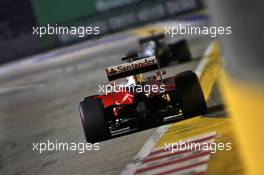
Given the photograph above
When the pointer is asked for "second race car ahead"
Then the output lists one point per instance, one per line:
(155, 45)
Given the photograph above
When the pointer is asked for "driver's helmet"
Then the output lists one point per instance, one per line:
(130, 81)
(149, 49)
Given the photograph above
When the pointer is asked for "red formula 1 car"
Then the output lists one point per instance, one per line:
(140, 103)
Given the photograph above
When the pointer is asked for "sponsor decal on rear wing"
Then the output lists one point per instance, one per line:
(133, 68)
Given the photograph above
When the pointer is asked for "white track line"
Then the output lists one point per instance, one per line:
(200, 68)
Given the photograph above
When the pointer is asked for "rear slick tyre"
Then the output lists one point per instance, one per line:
(181, 51)
(93, 120)
(190, 94)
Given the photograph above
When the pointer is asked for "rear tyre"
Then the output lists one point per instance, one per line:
(190, 94)
(94, 122)
(180, 51)
(163, 58)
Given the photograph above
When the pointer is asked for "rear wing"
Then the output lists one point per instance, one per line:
(132, 68)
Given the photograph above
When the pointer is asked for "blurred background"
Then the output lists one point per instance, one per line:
(18, 18)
